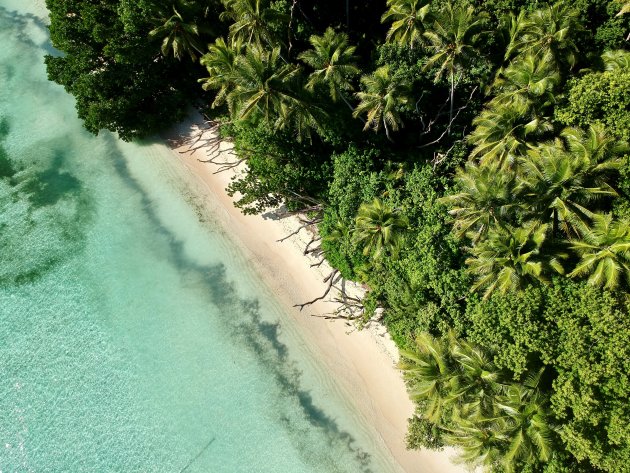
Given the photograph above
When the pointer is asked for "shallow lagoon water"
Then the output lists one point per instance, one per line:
(134, 336)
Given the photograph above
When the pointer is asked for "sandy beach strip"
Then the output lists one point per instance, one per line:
(363, 362)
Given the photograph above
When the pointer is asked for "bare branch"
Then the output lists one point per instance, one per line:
(318, 264)
(332, 278)
(308, 249)
(295, 232)
(448, 128)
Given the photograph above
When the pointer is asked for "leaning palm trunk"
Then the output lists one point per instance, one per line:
(450, 116)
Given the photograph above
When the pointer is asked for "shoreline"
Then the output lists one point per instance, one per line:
(362, 362)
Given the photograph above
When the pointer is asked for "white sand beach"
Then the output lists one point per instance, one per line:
(362, 361)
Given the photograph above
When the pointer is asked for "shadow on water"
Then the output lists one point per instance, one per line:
(48, 187)
(260, 336)
(7, 169)
(52, 187)
(44, 212)
(20, 22)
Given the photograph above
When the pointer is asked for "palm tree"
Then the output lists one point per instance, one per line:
(529, 432)
(266, 90)
(502, 133)
(334, 62)
(452, 38)
(379, 228)
(479, 382)
(262, 85)
(408, 19)
(485, 199)
(604, 252)
(624, 9)
(529, 81)
(616, 60)
(430, 374)
(220, 61)
(479, 442)
(251, 20)
(178, 36)
(509, 258)
(546, 31)
(596, 148)
(383, 94)
(560, 184)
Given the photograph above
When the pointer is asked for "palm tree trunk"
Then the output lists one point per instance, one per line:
(345, 100)
(387, 131)
(450, 117)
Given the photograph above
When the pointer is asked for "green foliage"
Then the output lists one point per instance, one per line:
(510, 258)
(354, 181)
(425, 286)
(278, 171)
(178, 36)
(494, 422)
(601, 17)
(604, 253)
(584, 333)
(551, 30)
(340, 248)
(599, 97)
(484, 198)
(117, 80)
(424, 434)
(254, 22)
(266, 91)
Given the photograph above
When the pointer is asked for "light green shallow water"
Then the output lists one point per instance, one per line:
(133, 336)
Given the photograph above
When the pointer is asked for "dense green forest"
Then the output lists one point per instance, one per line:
(466, 161)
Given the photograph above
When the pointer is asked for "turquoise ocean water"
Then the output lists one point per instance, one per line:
(133, 335)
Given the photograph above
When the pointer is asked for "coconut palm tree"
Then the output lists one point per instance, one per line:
(485, 199)
(430, 374)
(509, 258)
(408, 18)
(561, 181)
(251, 20)
(479, 442)
(220, 61)
(529, 432)
(262, 85)
(550, 30)
(597, 149)
(479, 382)
(530, 80)
(502, 133)
(383, 94)
(604, 251)
(334, 64)
(452, 37)
(265, 89)
(379, 228)
(178, 37)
